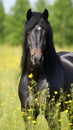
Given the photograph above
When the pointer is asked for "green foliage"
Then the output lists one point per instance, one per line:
(60, 17)
(40, 4)
(63, 21)
(1, 22)
(15, 22)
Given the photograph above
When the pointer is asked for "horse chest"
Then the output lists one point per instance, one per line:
(54, 83)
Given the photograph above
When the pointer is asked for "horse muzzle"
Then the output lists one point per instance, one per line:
(36, 56)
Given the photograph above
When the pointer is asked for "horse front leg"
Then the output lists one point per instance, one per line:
(28, 108)
(24, 97)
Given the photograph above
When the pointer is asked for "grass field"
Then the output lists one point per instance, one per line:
(10, 113)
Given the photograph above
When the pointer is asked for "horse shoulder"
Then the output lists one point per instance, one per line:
(57, 79)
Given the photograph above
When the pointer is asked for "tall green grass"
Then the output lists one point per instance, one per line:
(10, 113)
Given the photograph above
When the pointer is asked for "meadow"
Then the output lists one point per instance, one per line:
(10, 112)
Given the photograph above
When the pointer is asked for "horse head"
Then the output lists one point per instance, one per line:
(38, 39)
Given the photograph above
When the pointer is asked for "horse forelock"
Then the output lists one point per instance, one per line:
(37, 19)
(32, 22)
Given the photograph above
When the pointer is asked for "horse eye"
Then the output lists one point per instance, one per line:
(28, 33)
(43, 32)
(29, 44)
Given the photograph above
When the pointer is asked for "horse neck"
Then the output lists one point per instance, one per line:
(50, 59)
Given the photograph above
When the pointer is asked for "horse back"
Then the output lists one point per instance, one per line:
(67, 65)
(67, 56)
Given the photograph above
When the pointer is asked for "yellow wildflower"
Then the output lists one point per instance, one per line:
(23, 113)
(59, 120)
(53, 99)
(30, 110)
(38, 92)
(36, 99)
(7, 125)
(29, 117)
(66, 111)
(30, 76)
(18, 108)
(66, 102)
(70, 124)
(55, 92)
(2, 104)
(29, 87)
(33, 122)
(58, 104)
(70, 101)
(68, 95)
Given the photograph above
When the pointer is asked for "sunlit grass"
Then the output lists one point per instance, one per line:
(10, 113)
(10, 116)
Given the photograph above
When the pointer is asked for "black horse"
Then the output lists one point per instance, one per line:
(40, 58)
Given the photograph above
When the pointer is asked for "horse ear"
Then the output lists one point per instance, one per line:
(45, 14)
(29, 14)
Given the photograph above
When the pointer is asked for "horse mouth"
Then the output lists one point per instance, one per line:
(37, 62)
(37, 59)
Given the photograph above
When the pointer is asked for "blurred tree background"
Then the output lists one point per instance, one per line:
(60, 17)
(2, 19)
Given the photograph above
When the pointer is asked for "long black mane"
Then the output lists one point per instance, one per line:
(49, 54)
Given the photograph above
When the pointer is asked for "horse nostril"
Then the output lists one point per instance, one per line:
(32, 56)
(35, 59)
(41, 59)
